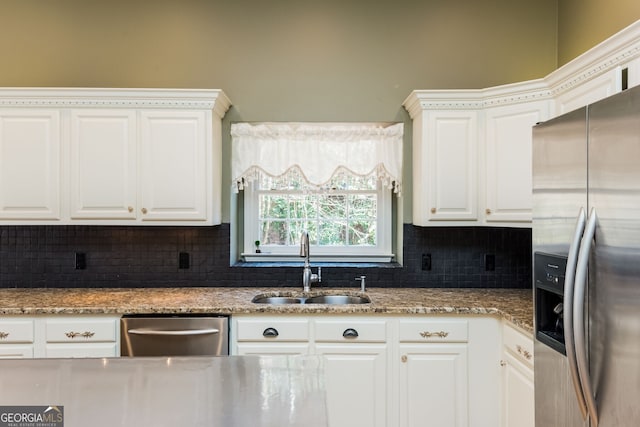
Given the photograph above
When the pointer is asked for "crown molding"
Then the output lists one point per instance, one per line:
(616, 51)
(210, 99)
(613, 52)
(476, 99)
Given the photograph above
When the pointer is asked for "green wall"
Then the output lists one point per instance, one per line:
(582, 24)
(281, 60)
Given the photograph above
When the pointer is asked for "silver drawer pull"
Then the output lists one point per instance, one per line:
(270, 333)
(4, 335)
(179, 332)
(350, 333)
(85, 334)
(523, 352)
(427, 334)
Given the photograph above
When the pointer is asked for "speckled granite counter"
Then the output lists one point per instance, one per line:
(514, 305)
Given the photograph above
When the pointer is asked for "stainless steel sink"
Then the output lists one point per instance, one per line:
(276, 300)
(338, 299)
(318, 299)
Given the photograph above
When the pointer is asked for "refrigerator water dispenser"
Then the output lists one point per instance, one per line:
(549, 273)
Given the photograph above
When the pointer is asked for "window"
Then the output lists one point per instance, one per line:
(327, 180)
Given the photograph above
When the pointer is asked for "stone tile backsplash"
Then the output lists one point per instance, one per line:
(114, 256)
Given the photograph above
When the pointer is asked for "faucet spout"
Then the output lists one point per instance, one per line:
(307, 276)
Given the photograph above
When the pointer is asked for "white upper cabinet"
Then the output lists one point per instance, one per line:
(508, 161)
(472, 154)
(450, 160)
(175, 175)
(111, 156)
(30, 164)
(472, 148)
(103, 164)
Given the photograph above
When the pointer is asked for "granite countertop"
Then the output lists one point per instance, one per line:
(514, 305)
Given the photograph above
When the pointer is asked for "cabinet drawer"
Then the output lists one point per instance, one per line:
(272, 330)
(519, 344)
(351, 330)
(81, 350)
(432, 330)
(16, 331)
(81, 330)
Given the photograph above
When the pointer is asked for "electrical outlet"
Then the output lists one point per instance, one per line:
(489, 262)
(183, 260)
(426, 262)
(81, 261)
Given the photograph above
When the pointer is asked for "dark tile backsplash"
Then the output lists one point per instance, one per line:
(45, 256)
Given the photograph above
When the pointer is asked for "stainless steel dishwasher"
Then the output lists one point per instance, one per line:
(171, 335)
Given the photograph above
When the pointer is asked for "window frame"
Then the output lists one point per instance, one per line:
(381, 253)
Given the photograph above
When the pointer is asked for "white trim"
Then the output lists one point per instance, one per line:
(379, 253)
(342, 258)
(210, 99)
(616, 51)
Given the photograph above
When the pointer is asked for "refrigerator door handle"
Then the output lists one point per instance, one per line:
(569, 285)
(578, 317)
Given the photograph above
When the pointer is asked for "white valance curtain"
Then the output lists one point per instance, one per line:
(317, 152)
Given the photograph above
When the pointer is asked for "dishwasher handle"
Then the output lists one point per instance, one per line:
(179, 332)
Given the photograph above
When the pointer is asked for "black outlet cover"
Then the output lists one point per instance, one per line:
(183, 260)
(426, 262)
(490, 262)
(81, 261)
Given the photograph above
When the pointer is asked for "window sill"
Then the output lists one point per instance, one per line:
(299, 264)
(338, 259)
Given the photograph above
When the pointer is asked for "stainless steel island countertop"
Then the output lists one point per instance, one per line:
(236, 391)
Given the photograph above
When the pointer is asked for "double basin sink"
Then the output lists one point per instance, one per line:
(332, 299)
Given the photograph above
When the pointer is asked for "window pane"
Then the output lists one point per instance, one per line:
(332, 205)
(362, 233)
(273, 232)
(273, 206)
(363, 206)
(296, 229)
(302, 207)
(333, 233)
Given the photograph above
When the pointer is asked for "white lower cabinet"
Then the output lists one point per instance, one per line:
(81, 336)
(433, 376)
(406, 371)
(16, 338)
(269, 335)
(518, 408)
(356, 358)
(59, 336)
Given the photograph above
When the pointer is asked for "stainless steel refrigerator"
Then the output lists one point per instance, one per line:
(586, 250)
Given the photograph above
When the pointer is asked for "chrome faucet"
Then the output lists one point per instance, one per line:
(307, 276)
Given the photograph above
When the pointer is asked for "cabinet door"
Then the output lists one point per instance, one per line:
(29, 164)
(103, 164)
(508, 160)
(356, 382)
(433, 385)
(446, 171)
(518, 395)
(518, 392)
(175, 182)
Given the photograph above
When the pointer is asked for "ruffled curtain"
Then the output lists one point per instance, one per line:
(317, 152)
